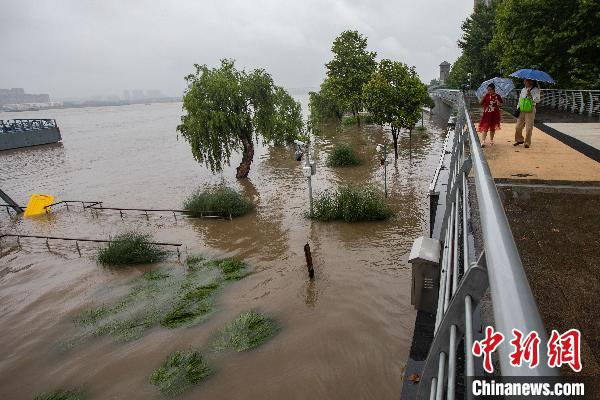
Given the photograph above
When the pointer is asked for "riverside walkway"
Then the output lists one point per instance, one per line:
(548, 159)
(524, 221)
(551, 197)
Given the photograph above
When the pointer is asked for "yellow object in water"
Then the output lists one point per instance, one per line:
(36, 204)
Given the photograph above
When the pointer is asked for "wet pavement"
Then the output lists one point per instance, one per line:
(344, 335)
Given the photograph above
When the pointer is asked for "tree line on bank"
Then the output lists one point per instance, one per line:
(390, 91)
(561, 37)
(227, 110)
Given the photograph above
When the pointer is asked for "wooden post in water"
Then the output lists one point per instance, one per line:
(309, 263)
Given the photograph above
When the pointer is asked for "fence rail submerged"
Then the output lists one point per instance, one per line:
(464, 280)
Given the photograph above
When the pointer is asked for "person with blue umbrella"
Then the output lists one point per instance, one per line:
(528, 99)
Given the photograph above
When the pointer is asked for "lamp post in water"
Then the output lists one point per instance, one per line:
(309, 168)
(382, 149)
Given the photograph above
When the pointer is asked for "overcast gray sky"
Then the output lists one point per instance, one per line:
(79, 48)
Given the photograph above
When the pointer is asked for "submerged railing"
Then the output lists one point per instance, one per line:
(464, 279)
(22, 125)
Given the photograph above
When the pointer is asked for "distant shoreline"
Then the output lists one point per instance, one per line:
(87, 103)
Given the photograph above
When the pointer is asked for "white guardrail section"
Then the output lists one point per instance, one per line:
(464, 281)
(584, 102)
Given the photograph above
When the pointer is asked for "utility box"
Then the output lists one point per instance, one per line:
(425, 260)
(307, 171)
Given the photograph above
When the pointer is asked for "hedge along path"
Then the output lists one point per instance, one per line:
(161, 297)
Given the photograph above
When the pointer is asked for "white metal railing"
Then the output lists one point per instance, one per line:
(584, 102)
(463, 280)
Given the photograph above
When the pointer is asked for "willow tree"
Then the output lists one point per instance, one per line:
(228, 110)
(394, 95)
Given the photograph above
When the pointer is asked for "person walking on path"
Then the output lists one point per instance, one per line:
(490, 119)
(529, 97)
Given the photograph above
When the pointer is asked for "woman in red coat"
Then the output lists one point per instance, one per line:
(490, 120)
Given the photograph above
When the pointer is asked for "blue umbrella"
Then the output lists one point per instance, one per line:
(503, 87)
(533, 74)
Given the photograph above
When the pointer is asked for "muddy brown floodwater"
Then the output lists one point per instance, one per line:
(346, 335)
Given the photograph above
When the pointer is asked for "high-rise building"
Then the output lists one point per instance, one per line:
(18, 96)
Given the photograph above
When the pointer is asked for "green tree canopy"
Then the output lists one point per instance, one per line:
(557, 36)
(395, 95)
(228, 109)
(350, 69)
(323, 106)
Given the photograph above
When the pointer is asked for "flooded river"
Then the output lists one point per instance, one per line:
(345, 335)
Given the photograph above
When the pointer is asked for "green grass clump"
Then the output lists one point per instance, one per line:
(162, 297)
(232, 270)
(351, 204)
(60, 395)
(191, 307)
(130, 248)
(343, 155)
(220, 199)
(180, 371)
(248, 331)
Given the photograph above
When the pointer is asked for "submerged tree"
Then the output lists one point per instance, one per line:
(228, 109)
(323, 105)
(395, 95)
(350, 69)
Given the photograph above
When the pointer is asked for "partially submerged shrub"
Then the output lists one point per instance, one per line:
(248, 331)
(351, 204)
(60, 395)
(343, 155)
(219, 199)
(180, 371)
(130, 248)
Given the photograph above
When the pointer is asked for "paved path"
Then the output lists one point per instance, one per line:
(547, 159)
(586, 132)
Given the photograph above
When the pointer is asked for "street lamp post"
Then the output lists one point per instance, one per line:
(309, 169)
(383, 149)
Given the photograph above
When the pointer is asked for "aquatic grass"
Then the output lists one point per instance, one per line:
(60, 394)
(232, 270)
(248, 331)
(130, 248)
(343, 155)
(191, 307)
(350, 204)
(180, 371)
(220, 199)
(162, 297)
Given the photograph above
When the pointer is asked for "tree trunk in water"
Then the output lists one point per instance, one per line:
(248, 154)
(357, 115)
(395, 137)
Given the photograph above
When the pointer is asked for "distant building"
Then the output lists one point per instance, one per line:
(154, 94)
(126, 95)
(18, 96)
(444, 71)
(137, 95)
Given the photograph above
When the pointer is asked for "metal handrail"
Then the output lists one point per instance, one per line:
(26, 124)
(577, 101)
(464, 280)
(512, 300)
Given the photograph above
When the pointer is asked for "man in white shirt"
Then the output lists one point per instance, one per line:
(532, 93)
